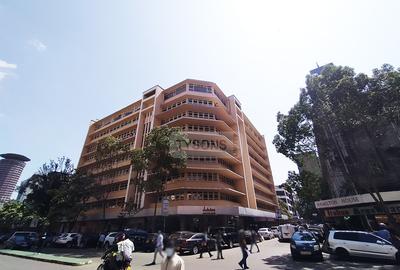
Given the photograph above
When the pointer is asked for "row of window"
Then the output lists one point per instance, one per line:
(113, 174)
(126, 135)
(177, 91)
(200, 102)
(198, 195)
(122, 115)
(173, 106)
(200, 128)
(116, 186)
(204, 115)
(200, 88)
(202, 176)
(113, 203)
(190, 101)
(107, 131)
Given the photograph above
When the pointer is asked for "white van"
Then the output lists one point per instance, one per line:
(286, 231)
(360, 244)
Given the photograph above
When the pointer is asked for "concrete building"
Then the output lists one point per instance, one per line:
(289, 199)
(228, 174)
(11, 167)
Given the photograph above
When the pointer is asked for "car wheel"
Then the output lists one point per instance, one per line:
(69, 244)
(342, 253)
(106, 245)
(398, 258)
(195, 250)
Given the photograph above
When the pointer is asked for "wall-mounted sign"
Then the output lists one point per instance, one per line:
(208, 211)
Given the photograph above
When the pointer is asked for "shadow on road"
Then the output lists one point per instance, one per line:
(286, 262)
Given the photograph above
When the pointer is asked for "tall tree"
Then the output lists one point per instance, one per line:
(162, 157)
(45, 185)
(351, 115)
(108, 153)
(14, 214)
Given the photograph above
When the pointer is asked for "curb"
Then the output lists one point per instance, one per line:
(50, 260)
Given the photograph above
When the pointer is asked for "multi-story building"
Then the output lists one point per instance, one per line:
(289, 199)
(228, 174)
(11, 167)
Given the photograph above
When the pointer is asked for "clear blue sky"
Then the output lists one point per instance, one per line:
(63, 63)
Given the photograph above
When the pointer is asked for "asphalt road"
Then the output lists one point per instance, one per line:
(273, 255)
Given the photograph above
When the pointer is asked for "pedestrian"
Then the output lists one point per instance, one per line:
(383, 232)
(100, 242)
(253, 237)
(245, 251)
(172, 260)
(41, 241)
(204, 246)
(220, 243)
(159, 247)
(78, 240)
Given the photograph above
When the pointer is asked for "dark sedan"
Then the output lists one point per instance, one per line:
(192, 242)
(305, 244)
(18, 242)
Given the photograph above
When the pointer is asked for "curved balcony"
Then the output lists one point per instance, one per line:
(219, 124)
(212, 167)
(215, 152)
(202, 185)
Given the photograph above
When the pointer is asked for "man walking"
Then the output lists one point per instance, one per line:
(100, 242)
(243, 247)
(159, 247)
(220, 243)
(254, 241)
(204, 246)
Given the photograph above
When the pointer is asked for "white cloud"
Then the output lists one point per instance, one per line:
(38, 45)
(5, 65)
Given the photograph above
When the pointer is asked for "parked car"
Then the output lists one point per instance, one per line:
(109, 240)
(275, 231)
(229, 235)
(138, 237)
(31, 238)
(67, 239)
(22, 240)
(192, 243)
(4, 237)
(266, 233)
(305, 244)
(360, 244)
(286, 232)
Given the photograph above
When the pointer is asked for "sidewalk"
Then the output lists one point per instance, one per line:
(45, 257)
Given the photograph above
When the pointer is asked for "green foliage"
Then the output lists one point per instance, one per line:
(295, 131)
(162, 156)
(307, 186)
(15, 214)
(58, 192)
(108, 152)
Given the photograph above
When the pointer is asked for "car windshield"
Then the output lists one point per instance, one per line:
(21, 234)
(20, 238)
(303, 237)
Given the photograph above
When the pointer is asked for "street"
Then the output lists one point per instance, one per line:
(273, 255)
